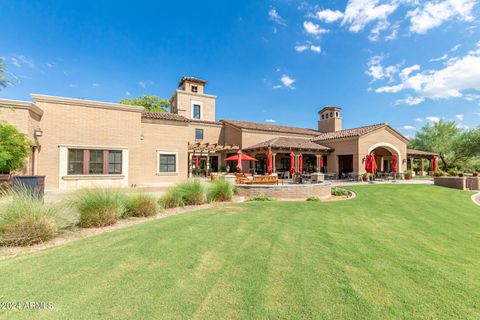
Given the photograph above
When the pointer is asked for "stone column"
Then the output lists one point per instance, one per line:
(317, 156)
(189, 164)
(207, 165)
(274, 167)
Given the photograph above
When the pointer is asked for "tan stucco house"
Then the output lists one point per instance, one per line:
(78, 143)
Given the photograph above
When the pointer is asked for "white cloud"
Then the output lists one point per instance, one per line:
(328, 15)
(21, 61)
(275, 17)
(462, 126)
(314, 29)
(394, 33)
(409, 128)
(407, 71)
(411, 101)
(444, 57)
(458, 75)
(142, 84)
(270, 120)
(471, 97)
(376, 31)
(418, 119)
(50, 65)
(433, 119)
(71, 85)
(127, 93)
(459, 117)
(359, 13)
(95, 85)
(379, 72)
(286, 82)
(455, 48)
(434, 13)
(311, 47)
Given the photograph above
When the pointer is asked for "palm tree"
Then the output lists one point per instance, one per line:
(4, 81)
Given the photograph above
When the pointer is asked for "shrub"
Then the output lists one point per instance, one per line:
(173, 198)
(336, 191)
(193, 192)
(141, 205)
(25, 220)
(261, 197)
(14, 148)
(475, 174)
(453, 172)
(439, 173)
(99, 207)
(220, 190)
(313, 198)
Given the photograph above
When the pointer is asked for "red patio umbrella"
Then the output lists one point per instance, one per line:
(300, 163)
(239, 158)
(269, 161)
(196, 162)
(374, 163)
(394, 163)
(368, 163)
(321, 163)
(434, 163)
(292, 163)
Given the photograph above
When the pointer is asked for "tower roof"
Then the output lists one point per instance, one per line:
(330, 108)
(191, 79)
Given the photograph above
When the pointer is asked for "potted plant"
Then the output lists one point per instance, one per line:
(475, 174)
(452, 173)
(408, 174)
(365, 177)
(460, 174)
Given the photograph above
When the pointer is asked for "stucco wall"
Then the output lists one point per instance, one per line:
(185, 101)
(451, 182)
(304, 191)
(17, 117)
(212, 133)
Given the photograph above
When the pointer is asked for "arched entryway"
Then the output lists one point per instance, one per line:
(384, 153)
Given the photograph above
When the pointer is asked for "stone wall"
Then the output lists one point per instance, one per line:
(451, 182)
(473, 183)
(290, 191)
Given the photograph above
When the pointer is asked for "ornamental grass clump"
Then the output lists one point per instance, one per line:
(99, 207)
(220, 190)
(193, 192)
(141, 205)
(173, 198)
(26, 220)
(339, 192)
(261, 197)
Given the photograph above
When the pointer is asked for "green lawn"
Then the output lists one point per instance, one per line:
(395, 251)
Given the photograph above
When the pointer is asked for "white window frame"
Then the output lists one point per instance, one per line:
(192, 109)
(159, 152)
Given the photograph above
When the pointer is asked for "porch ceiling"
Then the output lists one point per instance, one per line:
(211, 147)
(412, 153)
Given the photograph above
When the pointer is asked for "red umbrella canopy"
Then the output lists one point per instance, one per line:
(321, 162)
(292, 163)
(368, 163)
(196, 162)
(300, 163)
(374, 162)
(434, 163)
(269, 162)
(242, 156)
(394, 163)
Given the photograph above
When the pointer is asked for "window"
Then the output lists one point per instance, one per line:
(83, 161)
(323, 116)
(75, 161)
(326, 116)
(115, 162)
(194, 89)
(96, 162)
(331, 114)
(198, 134)
(167, 163)
(196, 111)
(285, 163)
(336, 114)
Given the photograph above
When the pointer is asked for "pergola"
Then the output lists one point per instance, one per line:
(422, 155)
(205, 149)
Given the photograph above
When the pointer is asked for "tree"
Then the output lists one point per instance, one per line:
(456, 147)
(151, 103)
(4, 81)
(14, 148)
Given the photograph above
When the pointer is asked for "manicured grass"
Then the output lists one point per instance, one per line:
(395, 251)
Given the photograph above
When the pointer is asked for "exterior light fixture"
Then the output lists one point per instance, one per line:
(38, 133)
(141, 136)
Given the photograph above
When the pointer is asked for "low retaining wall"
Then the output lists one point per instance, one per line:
(287, 191)
(462, 183)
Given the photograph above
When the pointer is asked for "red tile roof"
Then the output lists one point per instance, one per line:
(413, 152)
(191, 79)
(347, 133)
(270, 127)
(164, 116)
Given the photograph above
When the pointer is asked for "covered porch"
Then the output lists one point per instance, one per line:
(205, 158)
(421, 162)
(308, 156)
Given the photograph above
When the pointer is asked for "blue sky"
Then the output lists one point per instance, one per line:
(404, 62)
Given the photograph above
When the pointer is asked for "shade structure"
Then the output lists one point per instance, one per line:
(321, 162)
(434, 163)
(196, 162)
(300, 163)
(394, 163)
(292, 163)
(269, 161)
(368, 163)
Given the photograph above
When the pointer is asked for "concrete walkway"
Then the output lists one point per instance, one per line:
(476, 198)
